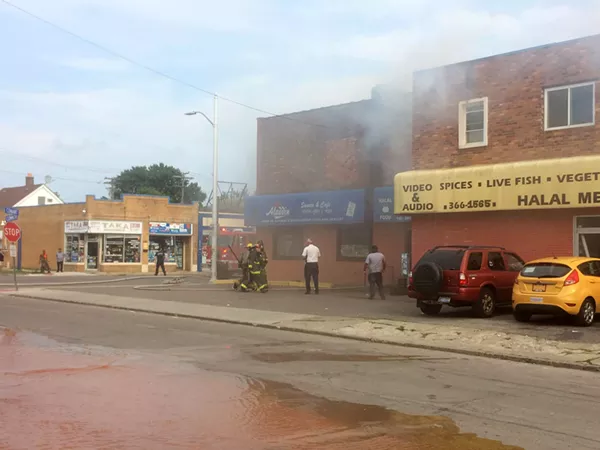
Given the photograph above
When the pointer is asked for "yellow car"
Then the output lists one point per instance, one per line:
(557, 286)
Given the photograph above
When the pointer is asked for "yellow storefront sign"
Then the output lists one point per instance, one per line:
(544, 184)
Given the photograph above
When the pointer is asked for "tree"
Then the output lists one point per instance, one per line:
(157, 179)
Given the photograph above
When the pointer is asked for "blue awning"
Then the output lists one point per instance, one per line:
(331, 207)
(383, 206)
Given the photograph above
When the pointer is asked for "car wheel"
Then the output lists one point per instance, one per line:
(587, 313)
(521, 316)
(486, 304)
(431, 310)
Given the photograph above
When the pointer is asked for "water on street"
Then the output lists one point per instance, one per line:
(76, 377)
(62, 397)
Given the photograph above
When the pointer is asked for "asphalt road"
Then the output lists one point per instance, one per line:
(339, 303)
(529, 406)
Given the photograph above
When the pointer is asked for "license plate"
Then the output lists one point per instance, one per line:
(539, 288)
(444, 300)
(536, 299)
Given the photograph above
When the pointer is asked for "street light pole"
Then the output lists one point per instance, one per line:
(215, 211)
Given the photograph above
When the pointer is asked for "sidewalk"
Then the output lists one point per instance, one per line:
(471, 341)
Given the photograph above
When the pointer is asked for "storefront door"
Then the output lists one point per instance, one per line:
(92, 255)
(587, 236)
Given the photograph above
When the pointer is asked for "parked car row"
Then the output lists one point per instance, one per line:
(487, 277)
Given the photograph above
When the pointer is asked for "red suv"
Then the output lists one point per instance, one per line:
(456, 275)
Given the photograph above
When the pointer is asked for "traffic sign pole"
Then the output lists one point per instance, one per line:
(12, 232)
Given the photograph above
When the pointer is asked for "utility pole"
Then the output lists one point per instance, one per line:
(110, 183)
(184, 177)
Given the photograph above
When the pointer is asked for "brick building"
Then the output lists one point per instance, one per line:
(111, 235)
(488, 138)
(327, 174)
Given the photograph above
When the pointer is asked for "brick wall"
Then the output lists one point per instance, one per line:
(391, 239)
(514, 84)
(43, 229)
(348, 146)
(531, 234)
(43, 226)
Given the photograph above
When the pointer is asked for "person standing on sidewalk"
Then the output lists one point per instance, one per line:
(160, 262)
(44, 266)
(375, 265)
(311, 255)
(60, 260)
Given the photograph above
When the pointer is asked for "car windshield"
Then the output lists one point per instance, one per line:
(447, 259)
(545, 270)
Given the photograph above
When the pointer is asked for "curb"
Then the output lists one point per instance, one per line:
(483, 354)
(76, 283)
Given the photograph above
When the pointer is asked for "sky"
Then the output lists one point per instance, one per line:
(109, 89)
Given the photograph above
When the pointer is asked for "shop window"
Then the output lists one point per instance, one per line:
(496, 261)
(472, 122)
(588, 222)
(569, 106)
(354, 242)
(171, 245)
(75, 248)
(119, 249)
(288, 244)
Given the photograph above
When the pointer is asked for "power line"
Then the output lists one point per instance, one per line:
(152, 70)
(53, 163)
(76, 180)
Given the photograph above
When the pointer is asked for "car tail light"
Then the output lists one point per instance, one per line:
(410, 279)
(572, 279)
(462, 279)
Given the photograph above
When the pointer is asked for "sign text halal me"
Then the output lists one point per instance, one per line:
(553, 183)
(12, 232)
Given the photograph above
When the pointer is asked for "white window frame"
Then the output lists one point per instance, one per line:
(569, 87)
(462, 123)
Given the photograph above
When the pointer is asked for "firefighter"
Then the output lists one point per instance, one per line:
(244, 283)
(256, 267)
(265, 260)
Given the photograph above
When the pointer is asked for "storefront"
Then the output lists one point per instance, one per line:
(535, 208)
(392, 234)
(174, 239)
(116, 236)
(95, 243)
(343, 224)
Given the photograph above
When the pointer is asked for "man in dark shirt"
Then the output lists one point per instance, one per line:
(160, 262)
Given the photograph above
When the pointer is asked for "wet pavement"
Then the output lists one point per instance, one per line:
(85, 378)
(57, 397)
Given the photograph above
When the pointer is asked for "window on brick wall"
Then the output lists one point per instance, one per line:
(288, 243)
(569, 106)
(354, 242)
(472, 123)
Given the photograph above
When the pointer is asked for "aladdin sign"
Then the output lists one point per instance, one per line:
(328, 207)
(103, 227)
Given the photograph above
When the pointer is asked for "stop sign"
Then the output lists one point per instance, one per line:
(12, 231)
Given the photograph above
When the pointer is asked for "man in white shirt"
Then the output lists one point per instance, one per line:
(375, 264)
(311, 255)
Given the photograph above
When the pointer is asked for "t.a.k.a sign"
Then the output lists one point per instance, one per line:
(544, 184)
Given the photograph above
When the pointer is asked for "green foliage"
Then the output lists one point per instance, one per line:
(157, 179)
